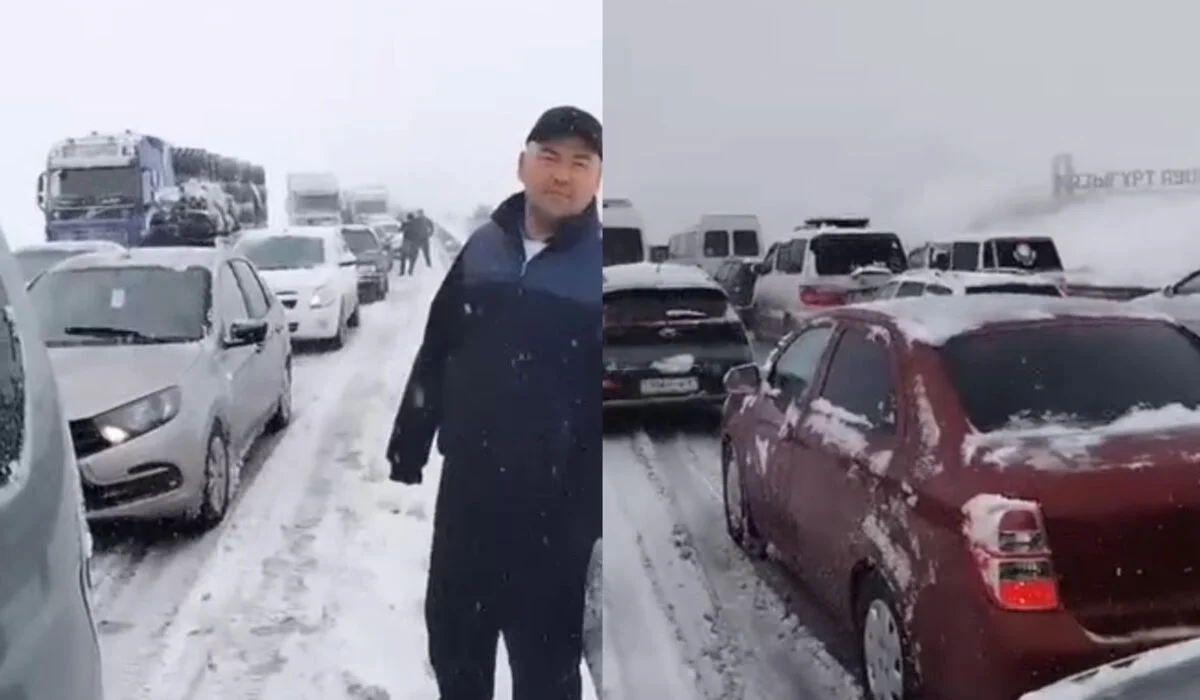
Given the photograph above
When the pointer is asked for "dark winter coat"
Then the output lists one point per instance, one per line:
(509, 376)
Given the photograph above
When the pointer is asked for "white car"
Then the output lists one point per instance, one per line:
(1180, 299)
(915, 283)
(314, 275)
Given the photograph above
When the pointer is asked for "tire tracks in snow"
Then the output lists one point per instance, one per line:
(767, 643)
(234, 635)
(171, 603)
(635, 503)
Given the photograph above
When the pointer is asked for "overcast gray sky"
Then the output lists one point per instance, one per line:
(432, 98)
(914, 112)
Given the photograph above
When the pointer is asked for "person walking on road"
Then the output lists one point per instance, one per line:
(425, 230)
(508, 376)
(410, 232)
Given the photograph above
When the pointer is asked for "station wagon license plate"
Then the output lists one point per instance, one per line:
(670, 385)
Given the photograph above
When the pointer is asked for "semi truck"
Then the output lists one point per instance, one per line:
(314, 199)
(364, 203)
(115, 186)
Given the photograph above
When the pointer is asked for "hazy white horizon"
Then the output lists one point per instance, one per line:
(919, 114)
(432, 99)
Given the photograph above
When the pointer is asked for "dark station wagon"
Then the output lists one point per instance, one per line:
(670, 335)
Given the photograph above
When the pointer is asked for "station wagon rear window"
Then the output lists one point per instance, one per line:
(630, 306)
(841, 254)
(1081, 375)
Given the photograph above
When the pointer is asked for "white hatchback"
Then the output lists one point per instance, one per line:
(314, 275)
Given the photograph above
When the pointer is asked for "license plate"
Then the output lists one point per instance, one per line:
(670, 385)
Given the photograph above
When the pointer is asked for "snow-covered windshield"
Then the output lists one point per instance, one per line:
(623, 245)
(34, 262)
(318, 202)
(360, 241)
(95, 186)
(1079, 375)
(116, 305)
(841, 254)
(285, 252)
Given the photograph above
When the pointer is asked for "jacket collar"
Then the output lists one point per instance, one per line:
(510, 217)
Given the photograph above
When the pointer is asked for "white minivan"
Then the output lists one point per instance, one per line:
(624, 233)
(716, 238)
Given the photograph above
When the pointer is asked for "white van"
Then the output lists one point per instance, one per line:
(992, 251)
(624, 240)
(716, 238)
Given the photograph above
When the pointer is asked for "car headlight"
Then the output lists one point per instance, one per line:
(324, 296)
(140, 416)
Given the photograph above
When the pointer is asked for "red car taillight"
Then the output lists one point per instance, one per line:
(815, 296)
(1008, 543)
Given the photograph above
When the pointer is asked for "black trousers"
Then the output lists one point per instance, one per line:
(479, 590)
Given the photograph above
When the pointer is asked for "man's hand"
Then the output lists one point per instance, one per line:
(404, 473)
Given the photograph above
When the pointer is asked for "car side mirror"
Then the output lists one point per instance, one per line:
(1169, 290)
(759, 268)
(246, 332)
(41, 191)
(743, 379)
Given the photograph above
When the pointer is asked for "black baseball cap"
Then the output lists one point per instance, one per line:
(566, 121)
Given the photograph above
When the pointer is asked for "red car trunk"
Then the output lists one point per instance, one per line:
(1122, 521)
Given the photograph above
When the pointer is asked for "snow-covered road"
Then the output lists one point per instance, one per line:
(313, 588)
(687, 615)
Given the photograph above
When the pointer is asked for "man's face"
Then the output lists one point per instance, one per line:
(561, 177)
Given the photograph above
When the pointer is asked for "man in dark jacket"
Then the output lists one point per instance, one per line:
(425, 229)
(409, 232)
(508, 376)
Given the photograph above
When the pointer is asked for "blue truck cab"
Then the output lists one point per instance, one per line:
(102, 186)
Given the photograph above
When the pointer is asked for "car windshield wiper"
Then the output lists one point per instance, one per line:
(109, 332)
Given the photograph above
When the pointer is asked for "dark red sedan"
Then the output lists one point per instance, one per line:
(997, 491)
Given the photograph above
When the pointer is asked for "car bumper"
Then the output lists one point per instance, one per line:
(156, 475)
(1012, 653)
(629, 389)
(308, 323)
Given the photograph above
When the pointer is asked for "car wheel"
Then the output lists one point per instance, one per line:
(218, 487)
(738, 522)
(338, 341)
(354, 318)
(283, 408)
(887, 668)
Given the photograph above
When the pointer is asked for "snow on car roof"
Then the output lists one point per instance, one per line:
(313, 231)
(645, 275)
(961, 280)
(933, 320)
(1111, 676)
(179, 257)
(72, 246)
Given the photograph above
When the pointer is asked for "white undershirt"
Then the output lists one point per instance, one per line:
(532, 248)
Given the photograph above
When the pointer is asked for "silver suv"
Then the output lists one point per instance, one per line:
(48, 644)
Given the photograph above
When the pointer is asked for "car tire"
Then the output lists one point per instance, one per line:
(738, 520)
(888, 671)
(354, 319)
(218, 484)
(385, 288)
(283, 407)
(338, 341)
